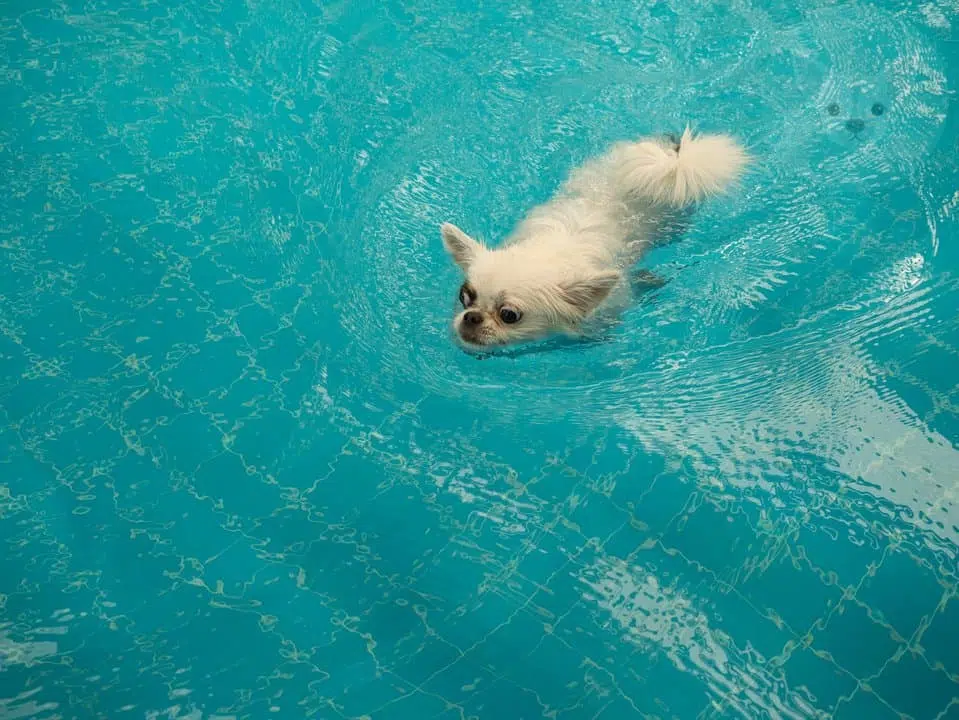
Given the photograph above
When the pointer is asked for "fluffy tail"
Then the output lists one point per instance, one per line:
(679, 173)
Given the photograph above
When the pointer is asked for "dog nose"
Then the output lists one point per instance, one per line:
(473, 317)
(855, 125)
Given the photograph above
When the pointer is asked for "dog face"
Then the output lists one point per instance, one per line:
(517, 294)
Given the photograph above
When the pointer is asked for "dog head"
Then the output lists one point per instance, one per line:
(519, 293)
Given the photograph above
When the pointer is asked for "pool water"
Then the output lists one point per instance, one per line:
(246, 473)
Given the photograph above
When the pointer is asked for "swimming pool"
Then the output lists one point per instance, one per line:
(245, 472)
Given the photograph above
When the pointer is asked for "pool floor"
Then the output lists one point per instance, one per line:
(245, 472)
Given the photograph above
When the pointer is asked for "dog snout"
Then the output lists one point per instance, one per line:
(472, 328)
(473, 317)
(855, 125)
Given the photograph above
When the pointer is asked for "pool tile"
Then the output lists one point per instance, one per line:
(937, 356)
(508, 700)
(430, 656)
(415, 704)
(462, 682)
(596, 517)
(551, 552)
(821, 680)
(627, 540)
(191, 375)
(730, 613)
(706, 535)
(551, 485)
(224, 480)
(666, 686)
(940, 641)
(505, 649)
(616, 709)
(372, 695)
(837, 550)
(397, 629)
(470, 621)
(951, 712)
(865, 705)
(662, 502)
(150, 408)
(884, 591)
(264, 442)
(557, 673)
(771, 589)
(194, 438)
(912, 687)
(857, 643)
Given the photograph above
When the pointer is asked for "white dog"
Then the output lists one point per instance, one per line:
(569, 258)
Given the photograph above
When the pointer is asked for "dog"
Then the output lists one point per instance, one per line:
(567, 262)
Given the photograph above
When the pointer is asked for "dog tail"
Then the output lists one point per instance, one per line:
(680, 172)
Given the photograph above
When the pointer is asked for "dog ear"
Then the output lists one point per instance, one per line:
(586, 294)
(461, 247)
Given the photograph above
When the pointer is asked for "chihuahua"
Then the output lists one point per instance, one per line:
(567, 262)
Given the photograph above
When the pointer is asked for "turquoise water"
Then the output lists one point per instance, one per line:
(245, 472)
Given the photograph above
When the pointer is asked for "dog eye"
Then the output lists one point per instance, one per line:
(509, 315)
(467, 296)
